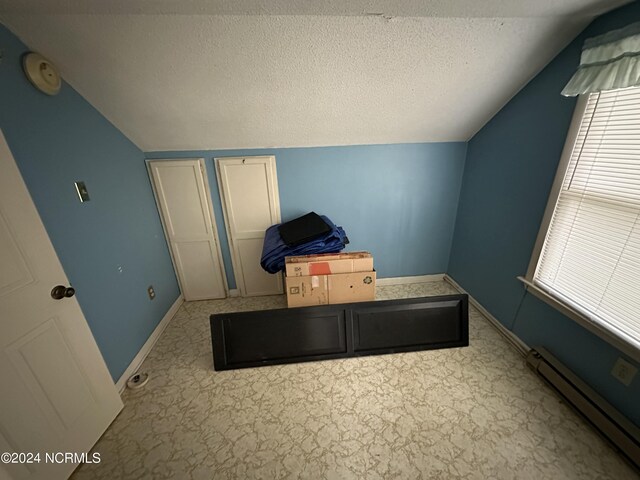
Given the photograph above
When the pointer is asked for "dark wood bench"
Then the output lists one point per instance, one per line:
(290, 335)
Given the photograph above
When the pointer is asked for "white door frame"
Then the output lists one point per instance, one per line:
(235, 260)
(203, 169)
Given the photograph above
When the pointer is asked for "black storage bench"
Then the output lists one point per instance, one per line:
(290, 335)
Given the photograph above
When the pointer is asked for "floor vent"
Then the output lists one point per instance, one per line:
(622, 433)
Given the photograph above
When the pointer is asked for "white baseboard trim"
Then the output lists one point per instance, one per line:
(234, 292)
(385, 282)
(513, 339)
(121, 384)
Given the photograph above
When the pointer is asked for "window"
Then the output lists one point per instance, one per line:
(587, 256)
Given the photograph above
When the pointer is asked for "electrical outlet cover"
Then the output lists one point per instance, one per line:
(624, 371)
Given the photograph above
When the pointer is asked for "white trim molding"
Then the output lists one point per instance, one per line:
(135, 364)
(385, 282)
(565, 158)
(513, 339)
(234, 292)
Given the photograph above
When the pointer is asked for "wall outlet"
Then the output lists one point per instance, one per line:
(624, 371)
(151, 292)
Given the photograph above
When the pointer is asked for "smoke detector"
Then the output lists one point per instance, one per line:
(41, 73)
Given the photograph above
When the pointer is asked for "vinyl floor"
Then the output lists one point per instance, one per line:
(467, 413)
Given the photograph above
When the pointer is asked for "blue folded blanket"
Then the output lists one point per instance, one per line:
(274, 249)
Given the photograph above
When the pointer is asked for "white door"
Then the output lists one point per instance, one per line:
(249, 191)
(56, 394)
(184, 200)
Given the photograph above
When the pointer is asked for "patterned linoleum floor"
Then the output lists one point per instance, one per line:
(474, 413)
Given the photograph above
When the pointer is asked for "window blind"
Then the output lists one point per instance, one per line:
(590, 258)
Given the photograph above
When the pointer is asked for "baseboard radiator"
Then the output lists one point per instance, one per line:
(616, 428)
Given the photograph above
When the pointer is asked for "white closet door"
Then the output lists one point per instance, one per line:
(57, 395)
(249, 191)
(184, 201)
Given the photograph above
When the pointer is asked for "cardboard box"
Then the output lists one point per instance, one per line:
(328, 264)
(331, 289)
(306, 291)
(351, 287)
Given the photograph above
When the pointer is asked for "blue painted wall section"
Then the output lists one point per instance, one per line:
(397, 201)
(57, 141)
(511, 164)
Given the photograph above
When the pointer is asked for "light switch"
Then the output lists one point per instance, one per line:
(83, 193)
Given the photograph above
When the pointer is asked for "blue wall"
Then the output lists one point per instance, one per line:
(511, 164)
(397, 201)
(56, 141)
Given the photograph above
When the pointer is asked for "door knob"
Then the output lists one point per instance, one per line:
(60, 291)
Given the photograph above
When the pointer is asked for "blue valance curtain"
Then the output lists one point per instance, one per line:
(608, 62)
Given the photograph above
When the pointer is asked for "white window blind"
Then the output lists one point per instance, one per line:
(590, 258)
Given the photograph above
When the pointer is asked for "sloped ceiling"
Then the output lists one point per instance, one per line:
(200, 74)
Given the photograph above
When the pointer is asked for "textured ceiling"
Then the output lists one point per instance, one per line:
(397, 8)
(328, 77)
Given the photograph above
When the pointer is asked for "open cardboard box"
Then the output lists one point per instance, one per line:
(328, 264)
(336, 288)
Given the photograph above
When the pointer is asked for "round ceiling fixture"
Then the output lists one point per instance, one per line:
(41, 73)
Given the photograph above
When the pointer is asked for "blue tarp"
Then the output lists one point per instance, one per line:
(274, 249)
